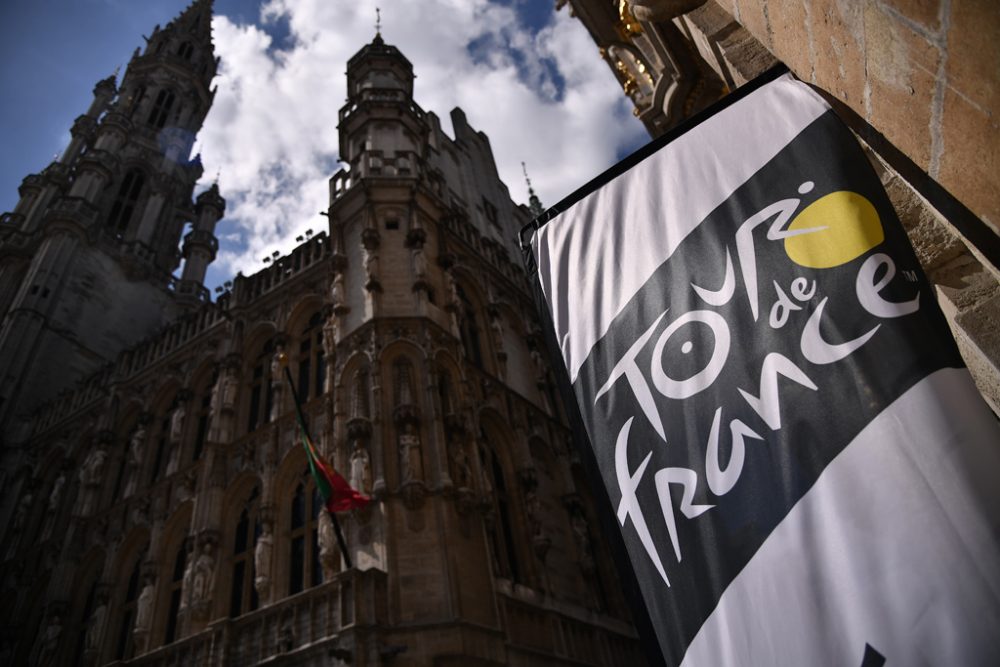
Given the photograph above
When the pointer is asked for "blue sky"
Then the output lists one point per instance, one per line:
(527, 76)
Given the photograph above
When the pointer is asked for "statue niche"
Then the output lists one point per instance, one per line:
(407, 419)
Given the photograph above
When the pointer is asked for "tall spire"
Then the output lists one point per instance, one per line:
(534, 203)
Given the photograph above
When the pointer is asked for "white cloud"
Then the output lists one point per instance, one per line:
(272, 128)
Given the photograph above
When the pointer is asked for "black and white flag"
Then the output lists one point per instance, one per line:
(800, 465)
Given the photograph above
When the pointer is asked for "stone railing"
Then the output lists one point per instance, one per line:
(329, 611)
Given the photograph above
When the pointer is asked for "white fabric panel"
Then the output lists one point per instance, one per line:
(897, 546)
(595, 256)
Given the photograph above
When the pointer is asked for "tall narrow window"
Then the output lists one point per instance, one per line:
(204, 413)
(124, 204)
(135, 100)
(161, 109)
(310, 359)
(502, 537)
(470, 330)
(243, 595)
(260, 389)
(162, 449)
(126, 648)
(185, 50)
(305, 568)
(175, 594)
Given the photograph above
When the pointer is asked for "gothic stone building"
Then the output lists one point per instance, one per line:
(157, 507)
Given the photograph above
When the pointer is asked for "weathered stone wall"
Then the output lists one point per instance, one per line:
(926, 74)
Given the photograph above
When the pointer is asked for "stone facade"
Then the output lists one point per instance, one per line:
(917, 81)
(159, 509)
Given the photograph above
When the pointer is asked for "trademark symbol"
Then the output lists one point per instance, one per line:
(910, 275)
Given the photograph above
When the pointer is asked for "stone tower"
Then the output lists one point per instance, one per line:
(87, 256)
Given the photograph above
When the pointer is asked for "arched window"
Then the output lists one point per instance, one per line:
(135, 99)
(311, 362)
(185, 50)
(204, 403)
(470, 330)
(402, 381)
(261, 395)
(360, 403)
(124, 204)
(125, 648)
(243, 594)
(502, 534)
(161, 108)
(176, 581)
(162, 453)
(305, 570)
(446, 393)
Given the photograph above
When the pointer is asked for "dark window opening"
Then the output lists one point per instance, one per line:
(125, 202)
(161, 108)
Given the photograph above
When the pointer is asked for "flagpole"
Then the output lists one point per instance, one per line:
(305, 428)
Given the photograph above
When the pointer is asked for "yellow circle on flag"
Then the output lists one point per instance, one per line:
(847, 227)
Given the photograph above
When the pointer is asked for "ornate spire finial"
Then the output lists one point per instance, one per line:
(218, 173)
(534, 203)
(378, 21)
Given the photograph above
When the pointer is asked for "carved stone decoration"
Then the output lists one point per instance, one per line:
(203, 581)
(533, 508)
(136, 454)
(95, 627)
(410, 459)
(262, 563)
(360, 468)
(328, 550)
(541, 368)
(91, 475)
(338, 293)
(662, 10)
(48, 642)
(581, 536)
(369, 258)
(52, 510)
(143, 616)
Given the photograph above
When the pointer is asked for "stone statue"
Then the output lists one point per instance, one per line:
(52, 511)
(410, 465)
(187, 584)
(462, 473)
(23, 507)
(92, 472)
(49, 642)
(370, 256)
(92, 640)
(327, 539)
(360, 469)
(204, 575)
(55, 496)
(91, 475)
(144, 608)
(581, 535)
(137, 446)
(419, 262)
(338, 294)
(539, 362)
(262, 563)
(177, 422)
(497, 327)
(330, 331)
(453, 296)
(230, 385)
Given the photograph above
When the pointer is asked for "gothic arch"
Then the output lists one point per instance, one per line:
(85, 599)
(294, 552)
(173, 554)
(234, 591)
(300, 313)
(118, 639)
(510, 553)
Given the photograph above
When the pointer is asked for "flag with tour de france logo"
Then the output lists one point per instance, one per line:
(800, 466)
